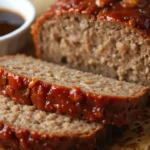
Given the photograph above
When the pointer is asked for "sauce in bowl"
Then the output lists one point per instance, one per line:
(9, 21)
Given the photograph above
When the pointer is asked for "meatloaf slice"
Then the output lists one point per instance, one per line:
(137, 137)
(59, 89)
(113, 40)
(24, 127)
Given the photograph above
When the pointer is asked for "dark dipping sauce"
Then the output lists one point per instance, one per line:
(9, 21)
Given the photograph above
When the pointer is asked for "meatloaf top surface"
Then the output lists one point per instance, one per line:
(136, 15)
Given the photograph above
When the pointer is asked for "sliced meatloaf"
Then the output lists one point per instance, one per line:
(110, 37)
(78, 94)
(24, 127)
(137, 137)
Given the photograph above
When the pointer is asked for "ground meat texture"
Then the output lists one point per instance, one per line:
(24, 127)
(54, 88)
(113, 41)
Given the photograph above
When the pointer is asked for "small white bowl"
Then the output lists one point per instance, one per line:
(13, 42)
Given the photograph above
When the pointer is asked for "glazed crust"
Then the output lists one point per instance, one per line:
(137, 17)
(109, 109)
(23, 128)
(15, 138)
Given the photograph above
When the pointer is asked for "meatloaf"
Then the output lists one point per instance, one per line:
(137, 137)
(24, 127)
(55, 88)
(109, 37)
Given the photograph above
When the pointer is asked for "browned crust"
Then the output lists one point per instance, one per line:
(16, 138)
(137, 18)
(99, 108)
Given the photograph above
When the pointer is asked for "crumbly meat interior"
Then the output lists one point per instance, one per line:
(52, 124)
(62, 76)
(109, 48)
